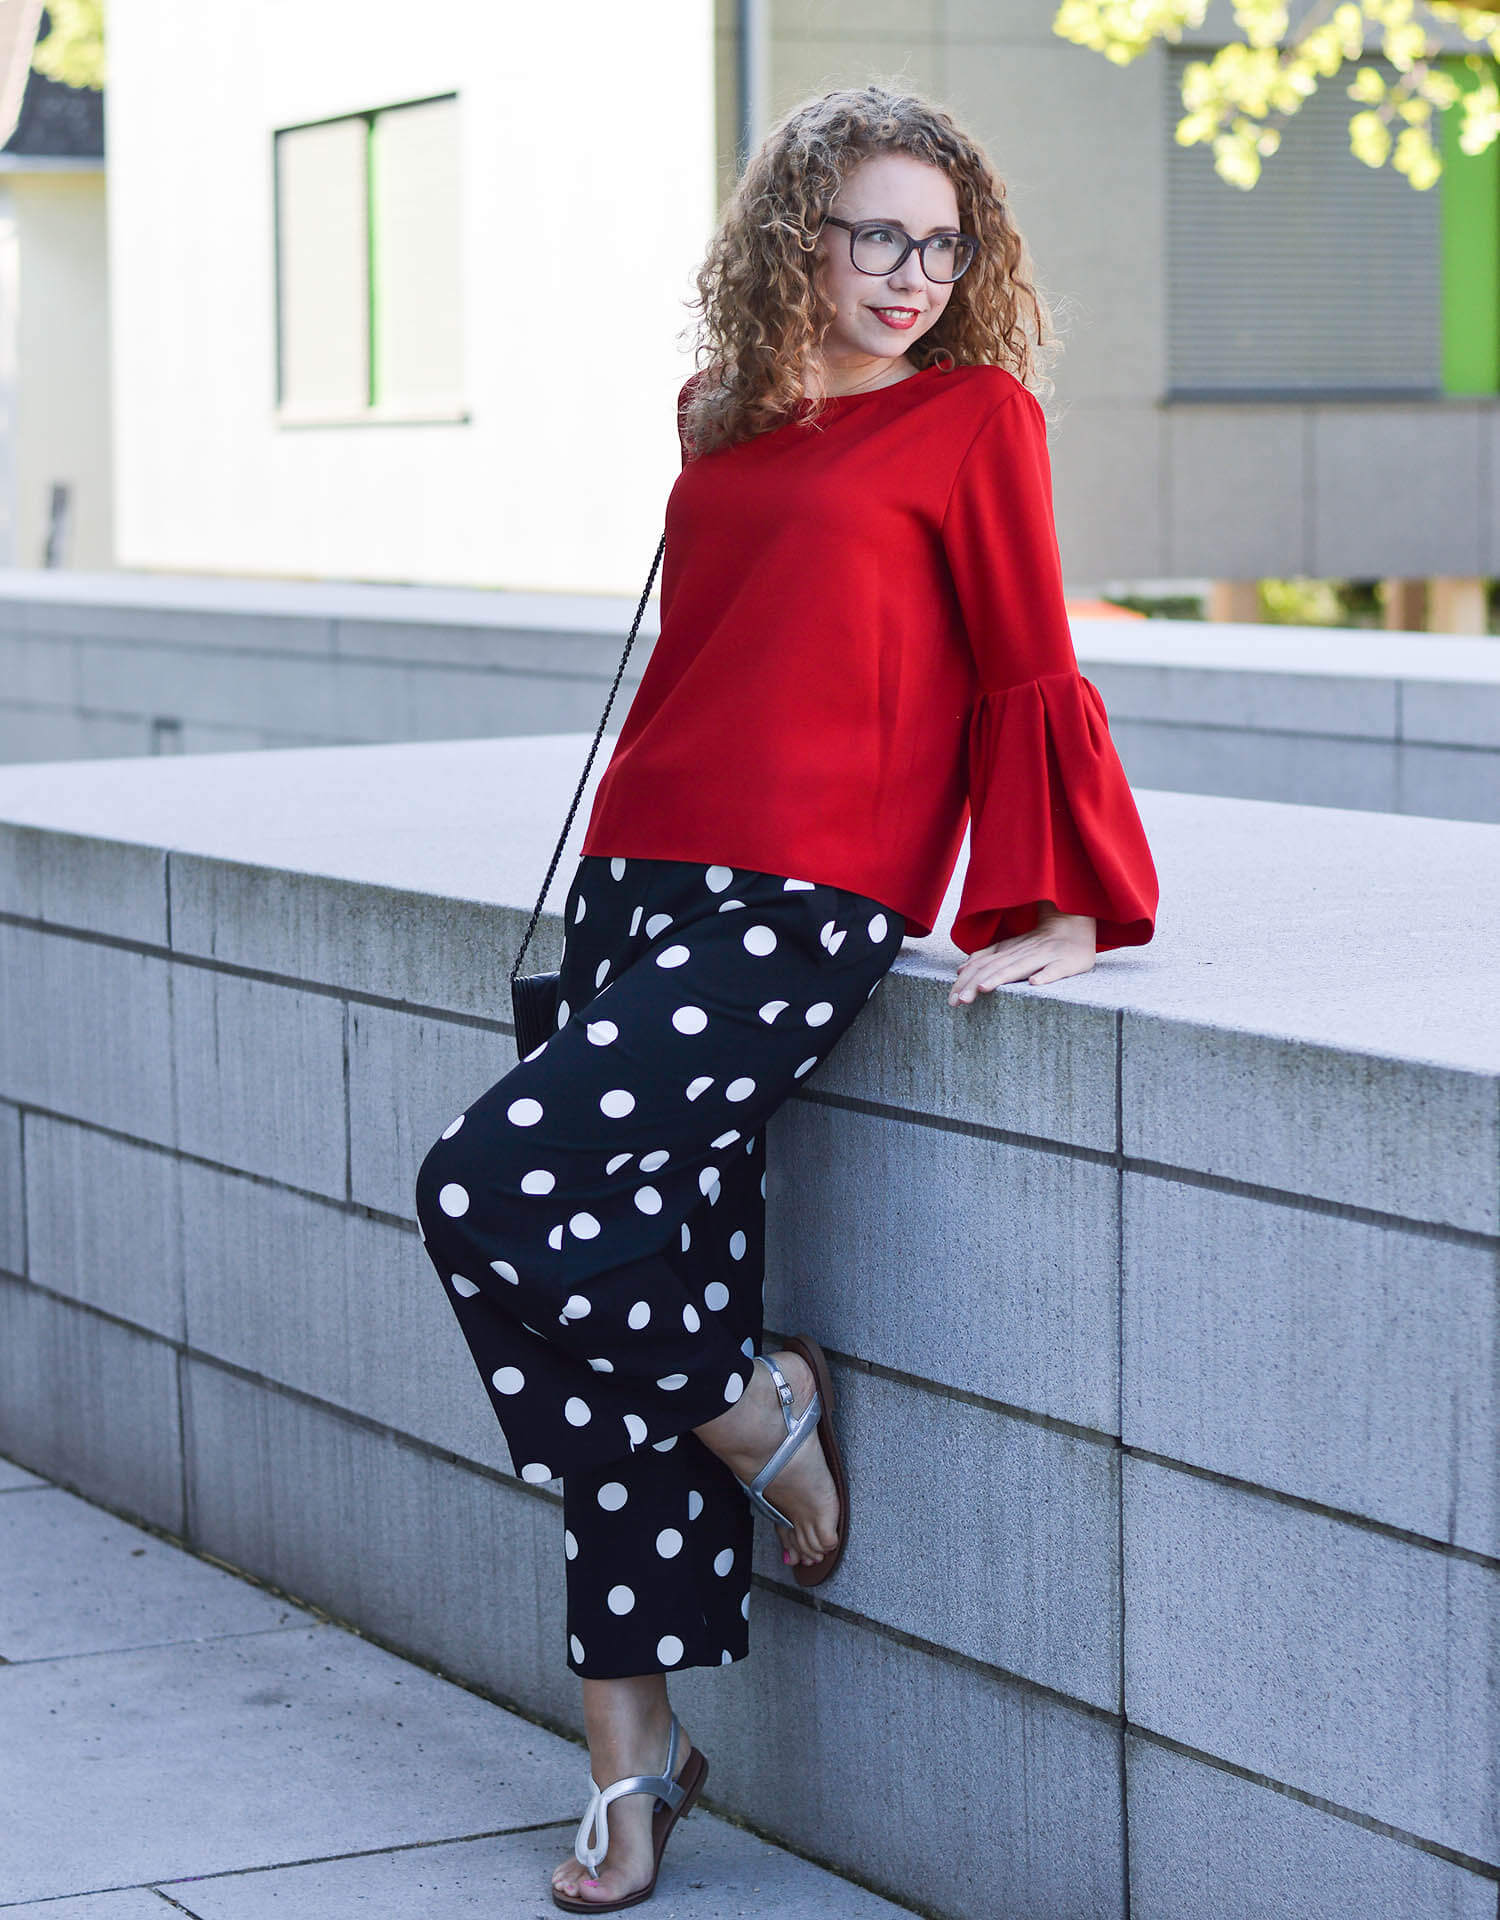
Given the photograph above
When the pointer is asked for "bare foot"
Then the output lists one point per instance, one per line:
(630, 1726)
(747, 1435)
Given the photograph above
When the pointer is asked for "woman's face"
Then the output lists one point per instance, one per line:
(880, 316)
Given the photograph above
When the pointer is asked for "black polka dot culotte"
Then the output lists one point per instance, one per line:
(597, 1220)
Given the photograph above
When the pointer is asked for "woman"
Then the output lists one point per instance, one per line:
(863, 642)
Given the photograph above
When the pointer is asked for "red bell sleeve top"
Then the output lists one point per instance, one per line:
(863, 650)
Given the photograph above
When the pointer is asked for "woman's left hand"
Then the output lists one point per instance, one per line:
(1060, 945)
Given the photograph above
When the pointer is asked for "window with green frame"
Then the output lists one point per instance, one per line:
(369, 297)
(1470, 253)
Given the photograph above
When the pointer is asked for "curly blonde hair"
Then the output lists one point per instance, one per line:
(762, 311)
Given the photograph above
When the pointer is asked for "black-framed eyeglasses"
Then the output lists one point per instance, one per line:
(875, 246)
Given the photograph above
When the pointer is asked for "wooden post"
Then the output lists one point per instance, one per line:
(1458, 605)
(1405, 605)
(1237, 600)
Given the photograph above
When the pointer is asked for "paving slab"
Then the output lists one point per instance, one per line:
(78, 1580)
(133, 1903)
(712, 1871)
(126, 1768)
(14, 1479)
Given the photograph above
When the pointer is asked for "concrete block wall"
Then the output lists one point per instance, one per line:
(106, 665)
(1164, 1306)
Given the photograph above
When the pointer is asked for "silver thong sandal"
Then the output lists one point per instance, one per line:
(675, 1799)
(815, 1417)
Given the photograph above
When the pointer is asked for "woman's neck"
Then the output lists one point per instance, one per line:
(830, 380)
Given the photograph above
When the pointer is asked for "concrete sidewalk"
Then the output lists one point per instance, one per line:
(179, 1740)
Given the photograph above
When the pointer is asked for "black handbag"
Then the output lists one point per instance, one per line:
(533, 996)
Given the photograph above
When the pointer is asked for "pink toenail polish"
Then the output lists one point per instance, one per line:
(786, 1559)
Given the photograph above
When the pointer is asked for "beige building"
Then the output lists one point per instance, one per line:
(1299, 380)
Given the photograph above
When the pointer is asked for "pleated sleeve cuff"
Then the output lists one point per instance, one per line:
(1052, 818)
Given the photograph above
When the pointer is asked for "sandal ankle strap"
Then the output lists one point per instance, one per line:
(797, 1430)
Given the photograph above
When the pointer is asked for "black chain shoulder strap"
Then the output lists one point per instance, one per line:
(583, 779)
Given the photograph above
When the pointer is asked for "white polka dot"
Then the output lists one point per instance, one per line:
(578, 1413)
(506, 1271)
(716, 1296)
(612, 1496)
(570, 1545)
(747, 1347)
(723, 1561)
(879, 927)
(658, 923)
(731, 906)
(575, 1307)
(669, 1543)
(580, 910)
(797, 886)
(538, 1181)
(707, 1178)
(524, 1113)
(690, 1318)
(636, 1427)
(687, 1238)
(806, 1067)
(820, 1013)
(575, 1647)
(690, 1019)
(639, 1316)
(760, 940)
(508, 1379)
(563, 1010)
(648, 1199)
(536, 1473)
(737, 1246)
(672, 1382)
(452, 1127)
(650, 1162)
(713, 1194)
(740, 1089)
(601, 1032)
(617, 869)
(695, 1504)
(585, 1226)
(745, 1607)
(700, 1085)
(535, 1053)
(726, 1139)
(616, 1161)
(734, 1386)
(602, 1366)
(617, 1103)
(601, 973)
(635, 920)
(718, 878)
(770, 1010)
(727, 1658)
(464, 1286)
(826, 933)
(619, 1600)
(762, 1186)
(555, 1239)
(664, 1446)
(838, 939)
(672, 956)
(454, 1200)
(669, 1650)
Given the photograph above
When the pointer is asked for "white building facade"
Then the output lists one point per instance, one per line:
(398, 301)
